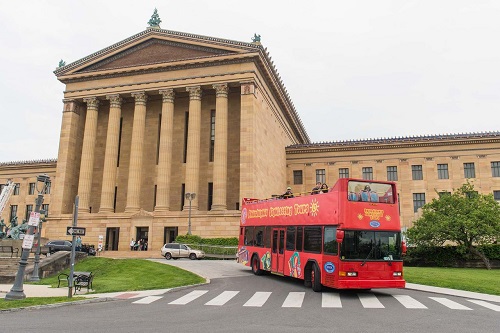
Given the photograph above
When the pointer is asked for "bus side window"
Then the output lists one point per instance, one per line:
(275, 241)
(298, 242)
(249, 236)
(290, 238)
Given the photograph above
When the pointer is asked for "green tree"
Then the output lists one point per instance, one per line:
(464, 217)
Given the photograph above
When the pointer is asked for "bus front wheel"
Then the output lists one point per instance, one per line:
(256, 265)
(316, 278)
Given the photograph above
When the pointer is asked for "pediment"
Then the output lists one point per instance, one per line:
(154, 51)
(153, 47)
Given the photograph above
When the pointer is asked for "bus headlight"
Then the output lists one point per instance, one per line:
(397, 273)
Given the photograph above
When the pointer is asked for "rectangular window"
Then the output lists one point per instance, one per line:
(290, 238)
(183, 194)
(443, 193)
(29, 209)
(418, 201)
(416, 172)
(320, 175)
(297, 177)
(154, 196)
(330, 245)
(45, 207)
(267, 237)
(469, 170)
(158, 140)
(300, 237)
(496, 195)
(16, 189)
(443, 171)
(210, 195)
(119, 143)
(212, 136)
(259, 236)
(249, 235)
(368, 173)
(186, 127)
(32, 189)
(312, 239)
(47, 188)
(343, 173)
(392, 173)
(13, 212)
(495, 169)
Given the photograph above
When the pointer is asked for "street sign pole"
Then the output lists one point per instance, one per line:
(73, 246)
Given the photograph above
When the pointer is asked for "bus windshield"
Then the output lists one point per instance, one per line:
(368, 191)
(371, 245)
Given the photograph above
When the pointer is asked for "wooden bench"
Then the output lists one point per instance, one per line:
(9, 249)
(80, 279)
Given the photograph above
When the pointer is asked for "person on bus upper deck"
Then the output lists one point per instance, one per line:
(288, 193)
(316, 189)
(324, 188)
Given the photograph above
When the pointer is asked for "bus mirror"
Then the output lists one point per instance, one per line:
(403, 247)
(340, 236)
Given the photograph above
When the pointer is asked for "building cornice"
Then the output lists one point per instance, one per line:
(397, 143)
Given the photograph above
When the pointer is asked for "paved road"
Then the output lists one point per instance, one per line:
(237, 301)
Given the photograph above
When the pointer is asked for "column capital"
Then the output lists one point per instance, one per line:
(115, 101)
(140, 97)
(194, 92)
(168, 95)
(92, 102)
(221, 89)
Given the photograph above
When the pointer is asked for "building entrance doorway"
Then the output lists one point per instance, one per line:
(142, 238)
(112, 239)
(169, 234)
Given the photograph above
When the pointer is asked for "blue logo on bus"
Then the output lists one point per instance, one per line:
(374, 224)
(329, 267)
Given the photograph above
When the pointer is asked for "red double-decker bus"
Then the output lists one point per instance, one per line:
(346, 238)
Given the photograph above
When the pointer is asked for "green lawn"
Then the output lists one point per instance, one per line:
(470, 279)
(112, 275)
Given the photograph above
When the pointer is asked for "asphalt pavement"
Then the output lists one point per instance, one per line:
(210, 269)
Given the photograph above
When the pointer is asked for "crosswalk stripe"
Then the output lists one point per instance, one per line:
(486, 305)
(223, 298)
(370, 301)
(409, 302)
(450, 304)
(258, 299)
(147, 300)
(294, 300)
(189, 297)
(331, 300)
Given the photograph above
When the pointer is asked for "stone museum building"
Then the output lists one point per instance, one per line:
(166, 132)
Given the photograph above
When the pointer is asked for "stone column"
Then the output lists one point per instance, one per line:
(220, 149)
(165, 159)
(66, 180)
(88, 149)
(111, 154)
(193, 146)
(136, 153)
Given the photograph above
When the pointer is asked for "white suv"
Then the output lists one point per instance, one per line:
(176, 250)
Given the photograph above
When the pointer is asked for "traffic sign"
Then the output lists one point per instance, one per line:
(75, 231)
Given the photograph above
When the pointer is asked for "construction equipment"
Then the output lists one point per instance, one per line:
(5, 195)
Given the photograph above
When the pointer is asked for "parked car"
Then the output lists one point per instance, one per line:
(176, 250)
(58, 245)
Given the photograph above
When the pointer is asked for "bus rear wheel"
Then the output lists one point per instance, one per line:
(256, 265)
(316, 278)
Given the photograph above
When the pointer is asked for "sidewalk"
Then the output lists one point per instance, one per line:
(211, 269)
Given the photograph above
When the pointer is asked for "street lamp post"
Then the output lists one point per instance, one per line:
(34, 275)
(190, 197)
(17, 291)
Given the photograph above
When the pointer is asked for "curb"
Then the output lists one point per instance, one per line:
(453, 292)
(57, 305)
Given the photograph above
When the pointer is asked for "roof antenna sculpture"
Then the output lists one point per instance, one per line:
(62, 63)
(154, 21)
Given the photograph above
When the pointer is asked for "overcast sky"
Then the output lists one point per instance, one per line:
(354, 69)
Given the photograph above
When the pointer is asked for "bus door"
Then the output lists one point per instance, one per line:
(278, 250)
